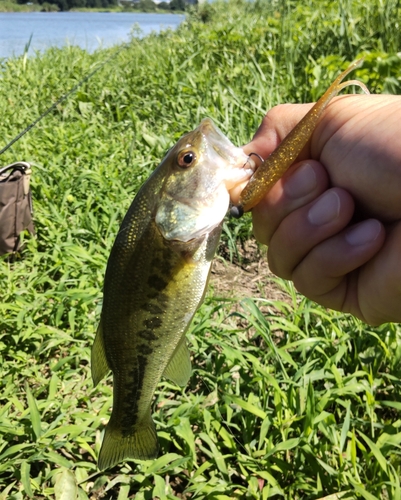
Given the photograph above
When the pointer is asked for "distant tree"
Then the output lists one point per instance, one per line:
(146, 6)
(76, 3)
(164, 5)
(94, 4)
(54, 5)
(62, 4)
(177, 4)
(49, 7)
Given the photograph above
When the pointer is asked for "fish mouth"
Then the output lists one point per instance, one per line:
(241, 174)
(240, 166)
(218, 140)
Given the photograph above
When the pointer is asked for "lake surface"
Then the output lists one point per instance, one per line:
(89, 30)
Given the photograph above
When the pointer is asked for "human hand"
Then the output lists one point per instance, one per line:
(335, 230)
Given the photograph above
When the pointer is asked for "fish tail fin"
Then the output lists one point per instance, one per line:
(142, 444)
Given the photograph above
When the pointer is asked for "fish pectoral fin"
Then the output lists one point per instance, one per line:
(99, 365)
(179, 368)
(142, 444)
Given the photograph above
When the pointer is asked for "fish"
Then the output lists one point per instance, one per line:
(155, 280)
(159, 267)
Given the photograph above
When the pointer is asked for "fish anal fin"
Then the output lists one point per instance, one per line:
(99, 365)
(141, 445)
(178, 369)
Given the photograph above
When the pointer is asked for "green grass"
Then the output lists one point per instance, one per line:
(287, 400)
(13, 6)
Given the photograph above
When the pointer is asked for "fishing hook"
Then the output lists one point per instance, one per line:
(238, 212)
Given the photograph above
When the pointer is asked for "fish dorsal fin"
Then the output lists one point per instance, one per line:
(178, 369)
(99, 365)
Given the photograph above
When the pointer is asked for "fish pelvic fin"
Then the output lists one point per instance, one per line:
(141, 445)
(179, 367)
(99, 365)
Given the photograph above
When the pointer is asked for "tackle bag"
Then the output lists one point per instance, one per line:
(15, 205)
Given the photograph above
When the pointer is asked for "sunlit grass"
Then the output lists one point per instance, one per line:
(287, 399)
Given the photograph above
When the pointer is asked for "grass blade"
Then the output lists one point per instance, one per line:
(34, 413)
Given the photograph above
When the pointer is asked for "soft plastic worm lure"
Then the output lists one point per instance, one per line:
(274, 167)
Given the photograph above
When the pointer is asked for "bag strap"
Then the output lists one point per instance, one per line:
(22, 166)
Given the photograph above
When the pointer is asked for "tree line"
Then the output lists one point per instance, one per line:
(141, 5)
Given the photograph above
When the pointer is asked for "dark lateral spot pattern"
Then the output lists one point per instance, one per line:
(132, 396)
(134, 383)
(162, 266)
(155, 303)
(156, 282)
(147, 335)
(153, 323)
(145, 349)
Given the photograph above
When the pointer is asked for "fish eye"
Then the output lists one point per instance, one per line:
(186, 159)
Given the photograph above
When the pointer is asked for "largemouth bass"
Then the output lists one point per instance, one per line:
(155, 280)
(159, 266)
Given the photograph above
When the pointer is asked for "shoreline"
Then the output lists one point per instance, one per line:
(88, 11)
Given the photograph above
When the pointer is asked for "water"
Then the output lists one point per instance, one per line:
(89, 30)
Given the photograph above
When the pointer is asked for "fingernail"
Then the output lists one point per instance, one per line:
(363, 233)
(301, 182)
(325, 210)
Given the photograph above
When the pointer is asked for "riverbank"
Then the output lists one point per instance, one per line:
(10, 6)
(13, 6)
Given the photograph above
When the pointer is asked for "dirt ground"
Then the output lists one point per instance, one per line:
(249, 276)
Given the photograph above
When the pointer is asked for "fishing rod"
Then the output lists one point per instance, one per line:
(64, 97)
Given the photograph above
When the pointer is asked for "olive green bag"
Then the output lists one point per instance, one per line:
(15, 205)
